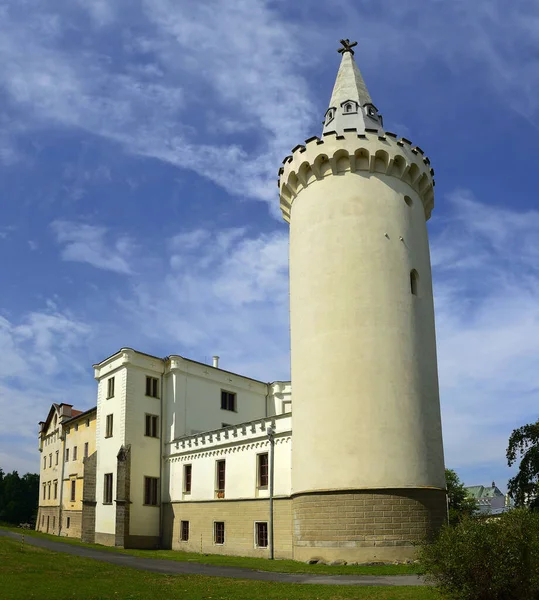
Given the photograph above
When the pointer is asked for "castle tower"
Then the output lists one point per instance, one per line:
(367, 458)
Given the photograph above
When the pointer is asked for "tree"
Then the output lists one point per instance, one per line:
(18, 497)
(460, 504)
(524, 446)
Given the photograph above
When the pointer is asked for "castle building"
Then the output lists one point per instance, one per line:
(66, 440)
(192, 457)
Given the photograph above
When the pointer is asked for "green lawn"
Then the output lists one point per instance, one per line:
(29, 573)
(259, 564)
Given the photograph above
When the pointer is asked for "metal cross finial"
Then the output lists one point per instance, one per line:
(347, 47)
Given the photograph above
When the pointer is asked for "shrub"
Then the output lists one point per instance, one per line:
(486, 559)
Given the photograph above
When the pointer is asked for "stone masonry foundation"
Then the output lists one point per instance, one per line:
(365, 525)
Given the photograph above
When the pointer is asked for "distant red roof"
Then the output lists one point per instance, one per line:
(75, 413)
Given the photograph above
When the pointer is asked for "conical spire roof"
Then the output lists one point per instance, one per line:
(351, 106)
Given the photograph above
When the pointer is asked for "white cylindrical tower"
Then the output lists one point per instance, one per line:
(367, 459)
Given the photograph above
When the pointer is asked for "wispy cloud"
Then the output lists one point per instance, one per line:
(87, 244)
(486, 288)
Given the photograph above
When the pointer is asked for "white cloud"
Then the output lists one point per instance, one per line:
(486, 288)
(226, 293)
(87, 244)
(40, 357)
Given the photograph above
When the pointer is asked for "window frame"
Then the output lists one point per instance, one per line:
(220, 465)
(187, 479)
(217, 526)
(75, 452)
(68, 522)
(152, 387)
(73, 490)
(110, 388)
(226, 395)
(109, 425)
(257, 525)
(67, 455)
(57, 458)
(55, 489)
(151, 425)
(151, 491)
(86, 449)
(259, 471)
(184, 531)
(108, 487)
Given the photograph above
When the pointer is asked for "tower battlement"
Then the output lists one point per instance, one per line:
(355, 153)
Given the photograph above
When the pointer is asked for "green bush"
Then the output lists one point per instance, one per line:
(486, 559)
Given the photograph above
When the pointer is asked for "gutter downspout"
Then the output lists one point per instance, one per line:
(271, 437)
(60, 510)
(161, 455)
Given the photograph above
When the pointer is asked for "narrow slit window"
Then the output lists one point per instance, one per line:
(414, 282)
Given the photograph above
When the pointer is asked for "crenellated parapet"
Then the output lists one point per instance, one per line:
(362, 153)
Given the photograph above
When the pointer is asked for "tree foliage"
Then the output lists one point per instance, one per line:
(524, 446)
(459, 503)
(19, 497)
(486, 559)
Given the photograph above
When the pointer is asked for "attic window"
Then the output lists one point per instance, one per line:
(348, 108)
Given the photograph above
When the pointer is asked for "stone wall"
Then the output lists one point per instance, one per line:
(48, 519)
(368, 525)
(75, 523)
(239, 517)
(88, 499)
(123, 486)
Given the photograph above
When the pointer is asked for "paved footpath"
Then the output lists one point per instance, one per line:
(172, 567)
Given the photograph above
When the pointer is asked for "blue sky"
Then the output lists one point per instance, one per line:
(139, 147)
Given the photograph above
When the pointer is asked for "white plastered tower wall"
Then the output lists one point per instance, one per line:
(367, 442)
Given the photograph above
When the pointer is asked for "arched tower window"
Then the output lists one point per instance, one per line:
(348, 108)
(408, 201)
(414, 282)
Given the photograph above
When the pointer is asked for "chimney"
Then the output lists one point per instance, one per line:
(215, 361)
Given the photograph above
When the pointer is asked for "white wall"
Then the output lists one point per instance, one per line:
(239, 447)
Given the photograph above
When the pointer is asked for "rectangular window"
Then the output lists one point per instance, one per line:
(57, 453)
(50, 460)
(73, 489)
(109, 426)
(187, 472)
(75, 453)
(184, 531)
(55, 490)
(49, 490)
(151, 426)
(150, 491)
(110, 388)
(44, 491)
(67, 454)
(261, 535)
(68, 522)
(219, 532)
(76, 426)
(86, 450)
(263, 470)
(42, 520)
(44, 462)
(87, 422)
(107, 489)
(220, 473)
(152, 387)
(228, 400)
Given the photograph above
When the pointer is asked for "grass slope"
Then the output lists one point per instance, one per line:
(258, 564)
(29, 573)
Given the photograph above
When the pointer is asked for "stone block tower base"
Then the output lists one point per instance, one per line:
(365, 525)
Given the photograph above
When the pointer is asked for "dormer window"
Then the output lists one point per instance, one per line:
(349, 107)
(371, 111)
(330, 115)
